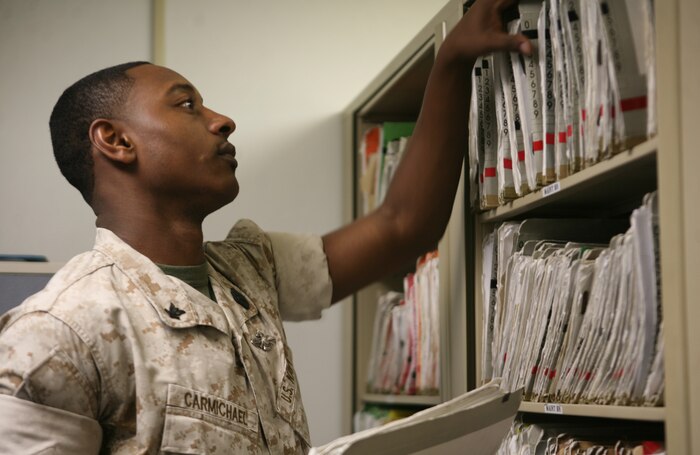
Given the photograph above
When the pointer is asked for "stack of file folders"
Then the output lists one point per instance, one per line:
(380, 152)
(586, 92)
(572, 309)
(619, 439)
(406, 341)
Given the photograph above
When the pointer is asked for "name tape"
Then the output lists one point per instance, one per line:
(204, 403)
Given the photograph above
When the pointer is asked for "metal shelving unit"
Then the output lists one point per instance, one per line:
(396, 94)
(612, 187)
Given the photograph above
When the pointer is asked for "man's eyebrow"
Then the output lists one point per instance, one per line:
(181, 87)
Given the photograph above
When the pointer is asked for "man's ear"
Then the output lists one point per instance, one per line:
(111, 141)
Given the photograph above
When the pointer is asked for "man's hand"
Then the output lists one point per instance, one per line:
(482, 31)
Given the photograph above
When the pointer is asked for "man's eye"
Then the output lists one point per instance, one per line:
(188, 104)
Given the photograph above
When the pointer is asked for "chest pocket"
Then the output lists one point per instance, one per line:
(283, 416)
(201, 423)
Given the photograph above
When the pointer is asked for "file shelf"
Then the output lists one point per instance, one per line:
(627, 175)
(655, 414)
(615, 186)
(396, 94)
(610, 188)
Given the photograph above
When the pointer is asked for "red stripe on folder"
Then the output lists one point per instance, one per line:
(632, 104)
(490, 172)
(550, 138)
(372, 138)
(481, 178)
(537, 146)
(534, 370)
(508, 164)
(552, 374)
(583, 114)
(569, 130)
(521, 155)
(652, 447)
(562, 138)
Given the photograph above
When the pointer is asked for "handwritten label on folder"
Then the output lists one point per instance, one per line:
(551, 408)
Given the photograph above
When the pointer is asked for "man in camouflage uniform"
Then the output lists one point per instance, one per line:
(156, 342)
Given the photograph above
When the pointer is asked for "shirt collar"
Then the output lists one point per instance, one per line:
(177, 304)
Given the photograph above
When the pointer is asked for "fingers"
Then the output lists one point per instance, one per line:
(484, 30)
(498, 5)
(524, 46)
(513, 43)
(502, 5)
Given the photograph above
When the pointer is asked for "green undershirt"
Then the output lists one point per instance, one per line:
(196, 276)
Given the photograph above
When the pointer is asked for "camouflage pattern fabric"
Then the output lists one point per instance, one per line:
(158, 365)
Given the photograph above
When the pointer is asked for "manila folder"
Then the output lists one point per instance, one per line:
(473, 423)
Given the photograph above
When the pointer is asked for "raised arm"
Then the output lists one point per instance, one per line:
(419, 201)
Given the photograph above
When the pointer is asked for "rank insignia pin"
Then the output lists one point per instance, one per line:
(262, 341)
(174, 312)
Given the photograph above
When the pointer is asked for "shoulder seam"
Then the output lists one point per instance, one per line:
(100, 363)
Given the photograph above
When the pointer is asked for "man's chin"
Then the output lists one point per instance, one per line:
(230, 195)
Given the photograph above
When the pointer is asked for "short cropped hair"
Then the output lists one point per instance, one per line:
(97, 95)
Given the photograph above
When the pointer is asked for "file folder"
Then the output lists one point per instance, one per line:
(473, 423)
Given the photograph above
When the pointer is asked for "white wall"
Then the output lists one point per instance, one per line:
(283, 71)
(46, 45)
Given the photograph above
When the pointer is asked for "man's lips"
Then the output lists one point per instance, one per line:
(227, 151)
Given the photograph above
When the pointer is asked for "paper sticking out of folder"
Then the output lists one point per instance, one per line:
(476, 422)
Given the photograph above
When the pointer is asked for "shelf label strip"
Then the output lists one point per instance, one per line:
(551, 408)
(551, 189)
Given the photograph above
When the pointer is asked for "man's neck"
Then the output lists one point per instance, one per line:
(161, 240)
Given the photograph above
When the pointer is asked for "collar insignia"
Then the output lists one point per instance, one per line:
(174, 312)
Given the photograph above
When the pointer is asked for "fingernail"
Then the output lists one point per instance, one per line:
(524, 48)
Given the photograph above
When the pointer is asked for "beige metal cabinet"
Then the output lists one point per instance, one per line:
(667, 162)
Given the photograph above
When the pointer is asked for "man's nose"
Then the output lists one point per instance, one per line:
(221, 124)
